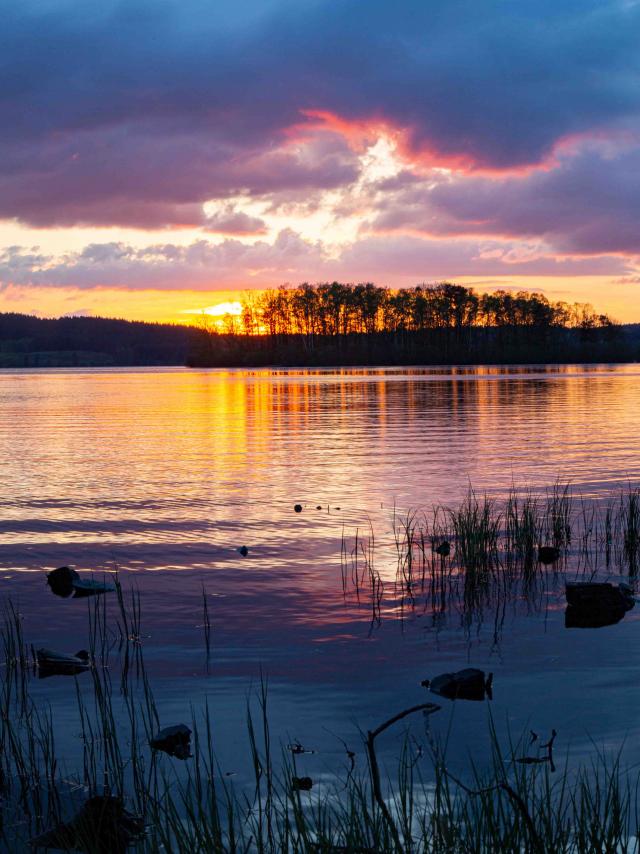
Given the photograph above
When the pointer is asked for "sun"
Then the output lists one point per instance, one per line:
(221, 309)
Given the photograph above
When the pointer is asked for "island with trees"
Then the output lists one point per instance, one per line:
(333, 324)
(364, 324)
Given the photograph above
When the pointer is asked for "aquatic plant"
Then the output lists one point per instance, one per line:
(476, 528)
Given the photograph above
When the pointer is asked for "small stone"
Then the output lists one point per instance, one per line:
(301, 784)
(104, 821)
(548, 554)
(174, 740)
(467, 684)
(51, 663)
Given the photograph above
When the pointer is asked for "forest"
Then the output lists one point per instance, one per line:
(364, 324)
(34, 342)
(334, 324)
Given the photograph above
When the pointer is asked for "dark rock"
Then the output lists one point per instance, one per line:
(592, 604)
(548, 554)
(103, 826)
(297, 508)
(174, 740)
(65, 581)
(599, 593)
(467, 684)
(61, 580)
(52, 663)
(301, 784)
(243, 550)
(443, 549)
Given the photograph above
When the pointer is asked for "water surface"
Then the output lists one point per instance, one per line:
(165, 473)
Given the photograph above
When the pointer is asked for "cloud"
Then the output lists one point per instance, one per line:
(199, 266)
(127, 176)
(588, 204)
(381, 256)
(230, 221)
(236, 264)
(135, 114)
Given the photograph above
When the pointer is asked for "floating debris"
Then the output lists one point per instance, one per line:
(52, 663)
(103, 826)
(467, 684)
(173, 740)
(243, 550)
(88, 587)
(297, 508)
(540, 760)
(296, 748)
(301, 784)
(443, 549)
(65, 581)
(548, 554)
(593, 604)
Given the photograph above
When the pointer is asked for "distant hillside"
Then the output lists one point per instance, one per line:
(27, 341)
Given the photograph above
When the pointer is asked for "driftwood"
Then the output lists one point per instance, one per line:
(428, 709)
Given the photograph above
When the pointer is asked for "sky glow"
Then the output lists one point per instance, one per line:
(158, 159)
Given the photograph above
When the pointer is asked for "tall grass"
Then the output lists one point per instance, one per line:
(476, 528)
(511, 805)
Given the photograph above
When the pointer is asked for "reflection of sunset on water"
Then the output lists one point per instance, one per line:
(164, 474)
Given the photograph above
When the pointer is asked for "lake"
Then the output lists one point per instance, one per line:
(165, 473)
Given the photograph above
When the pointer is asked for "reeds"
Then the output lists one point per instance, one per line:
(476, 528)
(485, 553)
(511, 805)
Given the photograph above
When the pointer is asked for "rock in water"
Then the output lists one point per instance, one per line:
(84, 587)
(593, 604)
(467, 684)
(61, 580)
(548, 554)
(103, 826)
(65, 581)
(52, 663)
(297, 508)
(173, 740)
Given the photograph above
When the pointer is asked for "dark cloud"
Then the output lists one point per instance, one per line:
(129, 177)
(588, 204)
(136, 112)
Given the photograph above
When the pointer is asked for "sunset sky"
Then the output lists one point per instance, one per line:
(161, 157)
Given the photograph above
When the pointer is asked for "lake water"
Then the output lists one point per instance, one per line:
(165, 473)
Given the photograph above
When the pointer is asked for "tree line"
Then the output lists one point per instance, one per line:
(28, 342)
(335, 323)
(331, 309)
